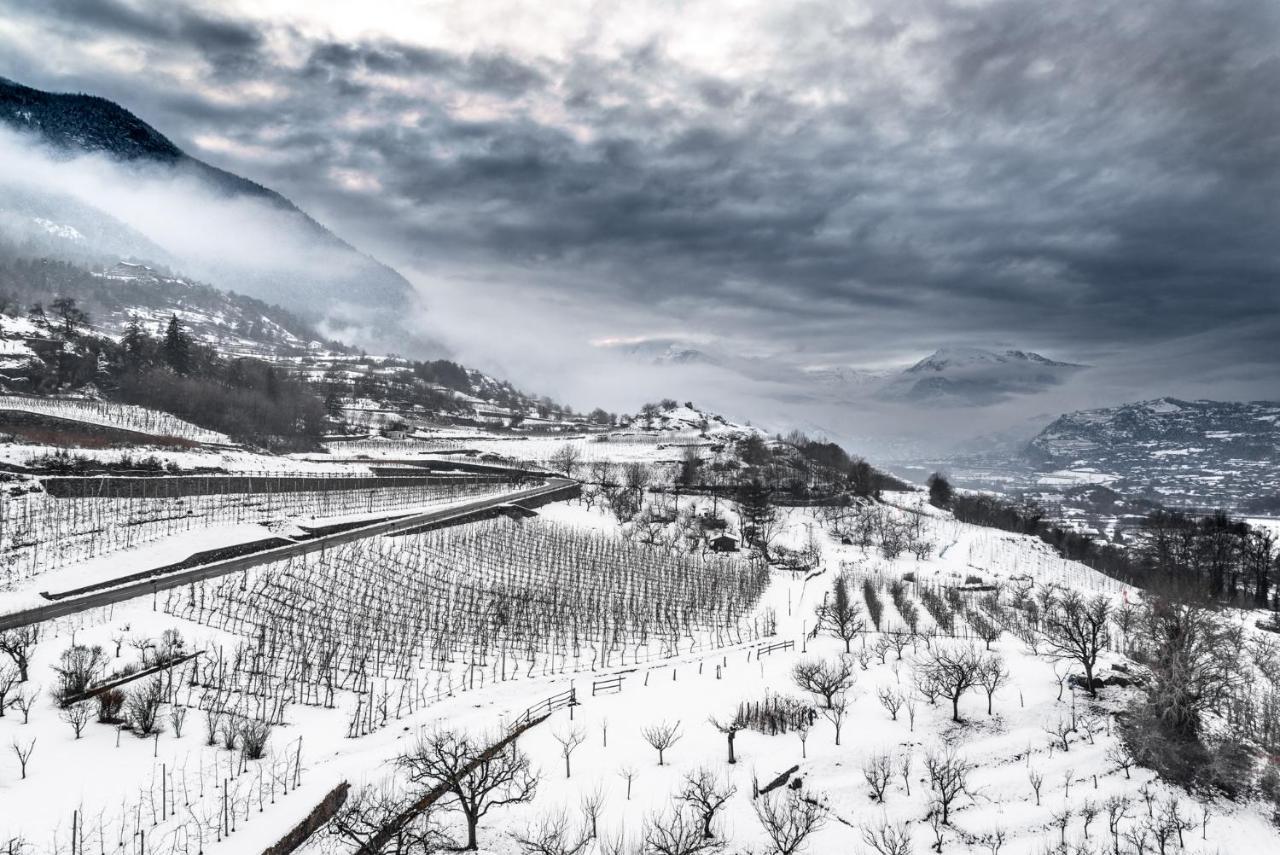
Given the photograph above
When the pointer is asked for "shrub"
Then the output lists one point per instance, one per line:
(143, 706)
(253, 738)
(110, 703)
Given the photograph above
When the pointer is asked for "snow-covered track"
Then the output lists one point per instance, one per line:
(555, 489)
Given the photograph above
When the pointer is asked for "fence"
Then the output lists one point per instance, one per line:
(566, 699)
(609, 685)
(776, 646)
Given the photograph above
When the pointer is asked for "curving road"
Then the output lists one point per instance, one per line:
(555, 489)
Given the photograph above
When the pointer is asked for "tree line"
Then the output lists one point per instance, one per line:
(1176, 553)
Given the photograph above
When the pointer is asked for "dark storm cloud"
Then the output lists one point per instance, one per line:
(220, 40)
(1083, 175)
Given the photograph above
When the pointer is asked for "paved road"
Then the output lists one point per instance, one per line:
(554, 490)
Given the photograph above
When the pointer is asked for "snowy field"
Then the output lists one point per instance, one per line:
(176, 793)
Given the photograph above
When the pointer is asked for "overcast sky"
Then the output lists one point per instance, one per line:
(824, 183)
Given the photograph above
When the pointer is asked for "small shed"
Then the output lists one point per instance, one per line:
(724, 543)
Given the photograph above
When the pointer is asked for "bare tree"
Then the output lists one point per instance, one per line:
(888, 838)
(1088, 812)
(839, 614)
(825, 678)
(143, 706)
(628, 774)
(951, 673)
(25, 702)
(948, 778)
(1117, 808)
(1036, 777)
(476, 779)
(1060, 731)
(77, 667)
(994, 840)
(836, 710)
(592, 806)
(705, 794)
(730, 727)
(788, 818)
(24, 754)
(1122, 757)
(8, 679)
(1061, 819)
(368, 811)
(661, 737)
(550, 835)
(992, 677)
(878, 772)
(1078, 630)
(891, 699)
(77, 715)
(677, 833)
(18, 644)
(566, 459)
(569, 743)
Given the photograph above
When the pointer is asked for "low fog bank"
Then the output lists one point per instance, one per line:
(93, 207)
(547, 341)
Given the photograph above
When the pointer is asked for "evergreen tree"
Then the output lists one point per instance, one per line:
(939, 490)
(177, 347)
(759, 518)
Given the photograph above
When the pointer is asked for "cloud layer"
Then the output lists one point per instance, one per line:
(821, 183)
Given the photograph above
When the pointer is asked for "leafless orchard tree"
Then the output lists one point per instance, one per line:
(948, 778)
(25, 702)
(78, 716)
(566, 459)
(1122, 757)
(628, 774)
(477, 779)
(77, 667)
(891, 699)
(993, 676)
(1078, 629)
(143, 706)
(24, 754)
(551, 835)
(662, 737)
(1036, 777)
(824, 678)
(839, 615)
(877, 770)
(951, 671)
(592, 804)
(705, 794)
(19, 644)
(994, 840)
(369, 810)
(8, 679)
(677, 833)
(569, 743)
(1117, 808)
(788, 819)
(836, 710)
(888, 838)
(1061, 730)
(730, 727)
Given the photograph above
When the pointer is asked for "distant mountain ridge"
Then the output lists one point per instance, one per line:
(1198, 453)
(970, 376)
(76, 124)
